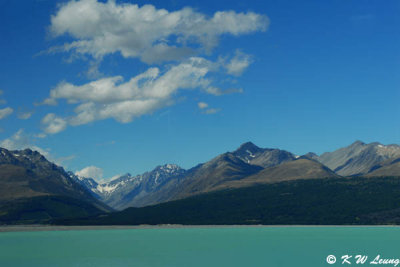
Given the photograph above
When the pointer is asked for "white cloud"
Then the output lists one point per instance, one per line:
(202, 105)
(21, 140)
(91, 172)
(124, 101)
(24, 115)
(206, 108)
(5, 112)
(53, 124)
(152, 35)
(218, 91)
(148, 33)
(238, 64)
(115, 177)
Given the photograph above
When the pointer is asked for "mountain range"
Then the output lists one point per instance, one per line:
(246, 166)
(34, 190)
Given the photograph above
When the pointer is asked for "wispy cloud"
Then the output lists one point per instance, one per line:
(206, 109)
(5, 112)
(113, 142)
(25, 115)
(239, 63)
(211, 111)
(218, 91)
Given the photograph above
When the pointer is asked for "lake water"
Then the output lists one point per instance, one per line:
(225, 246)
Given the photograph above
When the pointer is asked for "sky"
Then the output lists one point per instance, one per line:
(109, 87)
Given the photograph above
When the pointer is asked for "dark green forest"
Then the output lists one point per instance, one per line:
(334, 201)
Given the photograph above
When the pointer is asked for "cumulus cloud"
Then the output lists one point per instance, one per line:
(151, 34)
(5, 112)
(53, 124)
(91, 172)
(124, 101)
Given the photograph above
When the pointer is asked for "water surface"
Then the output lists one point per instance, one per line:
(202, 246)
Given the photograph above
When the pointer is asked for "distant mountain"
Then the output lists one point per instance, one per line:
(359, 158)
(32, 189)
(131, 191)
(246, 166)
(263, 157)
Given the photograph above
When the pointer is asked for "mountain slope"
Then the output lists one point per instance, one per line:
(293, 170)
(26, 177)
(358, 158)
(208, 176)
(387, 168)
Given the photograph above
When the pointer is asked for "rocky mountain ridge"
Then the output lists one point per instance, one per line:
(246, 166)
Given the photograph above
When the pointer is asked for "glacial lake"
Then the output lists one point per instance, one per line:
(199, 246)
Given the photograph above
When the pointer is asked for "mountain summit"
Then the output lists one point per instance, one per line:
(263, 157)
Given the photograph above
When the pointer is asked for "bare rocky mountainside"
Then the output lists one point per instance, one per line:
(359, 158)
(41, 190)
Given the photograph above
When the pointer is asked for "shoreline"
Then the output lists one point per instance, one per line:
(42, 228)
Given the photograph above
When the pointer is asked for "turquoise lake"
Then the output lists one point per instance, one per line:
(225, 246)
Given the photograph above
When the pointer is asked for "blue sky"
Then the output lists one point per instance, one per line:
(297, 75)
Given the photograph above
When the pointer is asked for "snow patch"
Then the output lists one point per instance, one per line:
(250, 154)
(105, 188)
